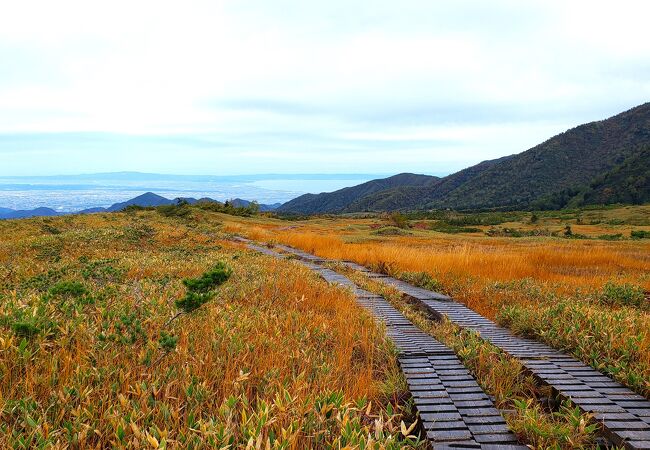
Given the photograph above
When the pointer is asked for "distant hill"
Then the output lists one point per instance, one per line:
(599, 162)
(241, 203)
(411, 197)
(6, 213)
(145, 200)
(97, 209)
(340, 201)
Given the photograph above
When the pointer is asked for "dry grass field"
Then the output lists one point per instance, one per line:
(103, 344)
(152, 329)
(577, 280)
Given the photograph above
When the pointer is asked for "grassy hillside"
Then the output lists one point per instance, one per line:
(94, 352)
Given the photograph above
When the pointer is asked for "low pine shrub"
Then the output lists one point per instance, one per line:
(209, 280)
(72, 291)
(167, 341)
(68, 289)
(181, 210)
(25, 329)
(193, 300)
(516, 233)
(201, 290)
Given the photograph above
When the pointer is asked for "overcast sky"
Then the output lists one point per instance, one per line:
(232, 87)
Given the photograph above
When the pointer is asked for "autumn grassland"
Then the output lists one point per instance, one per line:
(105, 342)
(578, 280)
(153, 328)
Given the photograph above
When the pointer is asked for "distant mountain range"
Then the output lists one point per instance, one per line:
(597, 163)
(600, 162)
(144, 200)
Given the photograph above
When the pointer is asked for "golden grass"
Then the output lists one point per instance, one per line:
(492, 273)
(278, 359)
(467, 266)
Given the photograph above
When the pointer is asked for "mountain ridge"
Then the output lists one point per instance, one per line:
(338, 200)
(539, 177)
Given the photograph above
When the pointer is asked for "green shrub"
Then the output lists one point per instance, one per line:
(201, 290)
(132, 209)
(423, 280)
(399, 220)
(25, 329)
(228, 208)
(43, 281)
(24, 325)
(47, 228)
(640, 234)
(478, 219)
(101, 270)
(68, 289)
(180, 209)
(167, 341)
(390, 231)
(128, 328)
(193, 300)
(137, 232)
(443, 227)
(210, 279)
(611, 237)
(622, 294)
(463, 219)
(48, 248)
(516, 233)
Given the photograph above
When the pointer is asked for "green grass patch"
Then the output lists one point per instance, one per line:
(443, 227)
(390, 231)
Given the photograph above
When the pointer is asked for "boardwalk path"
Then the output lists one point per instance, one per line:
(623, 415)
(454, 410)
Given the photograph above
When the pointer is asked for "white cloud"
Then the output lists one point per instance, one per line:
(468, 80)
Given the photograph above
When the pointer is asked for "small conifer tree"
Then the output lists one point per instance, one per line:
(201, 290)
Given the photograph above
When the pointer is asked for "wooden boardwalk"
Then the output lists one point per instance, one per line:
(624, 416)
(454, 410)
